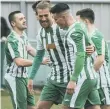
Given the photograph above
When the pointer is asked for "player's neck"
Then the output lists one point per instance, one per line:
(19, 32)
(91, 28)
(70, 21)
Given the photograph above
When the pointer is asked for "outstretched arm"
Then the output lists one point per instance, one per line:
(35, 66)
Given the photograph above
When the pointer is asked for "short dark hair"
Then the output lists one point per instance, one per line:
(78, 13)
(11, 15)
(87, 13)
(36, 3)
(60, 7)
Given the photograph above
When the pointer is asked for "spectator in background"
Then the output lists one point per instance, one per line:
(5, 30)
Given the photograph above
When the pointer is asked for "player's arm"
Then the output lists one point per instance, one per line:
(37, 62)
(78, 38)
(35, 66)
(16, 56)
(31, 51)
(100, 49)
(98, 62)
(23, 62)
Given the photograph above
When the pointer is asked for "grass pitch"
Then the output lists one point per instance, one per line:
(6, 100)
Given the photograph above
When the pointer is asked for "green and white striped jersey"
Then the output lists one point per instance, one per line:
(75, 42)
(101, 49)
(16, 47)
(52, 41)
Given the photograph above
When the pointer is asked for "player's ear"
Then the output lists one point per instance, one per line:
(13, 23)
(86, 21)
(51, 15)
(37, 17)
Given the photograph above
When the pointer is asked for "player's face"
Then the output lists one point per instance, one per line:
(45, 17)
(60, 20)
(19, 21)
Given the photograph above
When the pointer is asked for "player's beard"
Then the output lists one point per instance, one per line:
(45, 24)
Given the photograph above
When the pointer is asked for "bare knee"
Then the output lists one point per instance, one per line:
(31, 107)
(65, 107)
(94, 107)
(44, 105)
(105, 107)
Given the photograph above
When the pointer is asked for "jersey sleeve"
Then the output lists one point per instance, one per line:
(40, 41)
(79, 40)
(37, 62)
(13, 48)
(99, 44)
(39, 56)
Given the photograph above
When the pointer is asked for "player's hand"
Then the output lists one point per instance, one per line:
(71, 87)
(45, 60)
(90, 49)
(28, 48)
(30, 86)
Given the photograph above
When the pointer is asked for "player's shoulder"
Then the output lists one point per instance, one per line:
(79, 25)
(12, 37)
(98, 34)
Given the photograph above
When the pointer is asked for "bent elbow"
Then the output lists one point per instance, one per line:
(19, 64)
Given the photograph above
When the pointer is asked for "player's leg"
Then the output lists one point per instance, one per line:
(18, 92)
(66, 101)
(10, 88)
(31, 107)
(104, 94)
(51, 94)
(79, 97)
(44, 104)
(93, 101)
(22, 93)
(94, 107)
(30, 97)
(66, 107)
(105, 107)
(81, 93)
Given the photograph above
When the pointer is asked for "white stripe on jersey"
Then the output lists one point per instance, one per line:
(103, 74)
(76, 93)
(54, 58)
(107, 95)
(62, 58)
(89, 67)
(11, 51)
(44, 39)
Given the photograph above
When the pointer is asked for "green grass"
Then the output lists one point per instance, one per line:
(6, 100)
